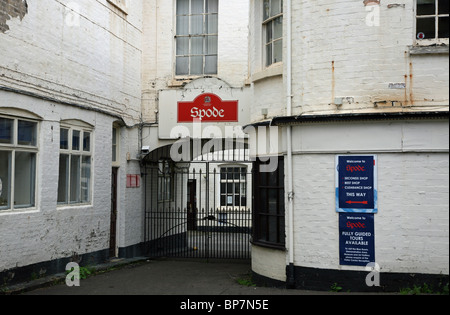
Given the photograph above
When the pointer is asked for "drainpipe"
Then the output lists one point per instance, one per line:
(290, 270)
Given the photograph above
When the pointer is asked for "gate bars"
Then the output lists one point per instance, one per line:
(200, 209)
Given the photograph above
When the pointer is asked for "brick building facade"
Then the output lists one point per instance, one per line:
(90, 98)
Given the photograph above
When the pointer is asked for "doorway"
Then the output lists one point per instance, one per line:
(192, 205)
(113, 228)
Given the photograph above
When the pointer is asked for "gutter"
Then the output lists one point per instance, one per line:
(297, 120)
(290, 283)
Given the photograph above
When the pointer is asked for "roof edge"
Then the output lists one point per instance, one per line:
(289, 120)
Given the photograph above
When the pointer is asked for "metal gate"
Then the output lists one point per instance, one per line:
(200, 209)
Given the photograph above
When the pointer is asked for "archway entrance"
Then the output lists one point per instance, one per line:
(201, 208)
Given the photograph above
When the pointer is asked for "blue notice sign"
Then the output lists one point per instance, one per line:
(356, 239)
(356, 183)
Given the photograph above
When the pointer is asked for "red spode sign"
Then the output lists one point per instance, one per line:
(208, 108)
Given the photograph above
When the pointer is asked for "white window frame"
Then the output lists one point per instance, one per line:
(243, 188)
(190, 37)
(14, 148)
(429, 41)
(83, 155)
(269, 21)
(165, 181)
(115, 146)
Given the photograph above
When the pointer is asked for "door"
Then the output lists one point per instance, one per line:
(113, 229)
(192, 205)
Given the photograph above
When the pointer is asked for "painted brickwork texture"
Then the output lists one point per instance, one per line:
(11, 9)
(411, 228)
(85, 52)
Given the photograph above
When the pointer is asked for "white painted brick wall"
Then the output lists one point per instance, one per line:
(411, 228)
(333, 34)
(48, 232)
(159, 48)
(97, 64)
(92, 58)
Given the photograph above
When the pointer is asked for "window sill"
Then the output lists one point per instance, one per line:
(425, 50)
(181, 81)
(18, 211)
(62, 207)
(272, 71)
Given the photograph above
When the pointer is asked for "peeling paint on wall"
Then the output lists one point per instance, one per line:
(11, 9)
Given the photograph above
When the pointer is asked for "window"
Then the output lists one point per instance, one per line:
(273, 29)
(196, 37)
(74, 184)
(269, 210)
(165, 181)
(233, 187)
(115, 146)
(18, 152)
(432, 21)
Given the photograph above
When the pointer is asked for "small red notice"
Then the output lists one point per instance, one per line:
(133, 181)
(208, 108)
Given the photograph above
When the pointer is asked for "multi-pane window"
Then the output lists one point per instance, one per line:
(165, 181)
(269, 206)
(115, 146)
(74, 184)
(273, 29)
(432, 20)
(18, 152)
(233, 187)
(196, 37)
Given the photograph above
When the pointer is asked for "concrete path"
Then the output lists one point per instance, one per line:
(170, 277)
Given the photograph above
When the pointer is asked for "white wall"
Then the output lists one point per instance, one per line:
(158, 65)
(90, 56)
(86, 53)
(48, 232)
(411, 227)
(335, 54)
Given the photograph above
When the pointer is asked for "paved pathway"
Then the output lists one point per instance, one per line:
(170, 277)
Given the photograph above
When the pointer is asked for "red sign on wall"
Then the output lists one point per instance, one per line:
(208, 108)
(133, 181)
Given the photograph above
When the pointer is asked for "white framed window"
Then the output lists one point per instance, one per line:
(273, 31)
(115, 146)
(233, 187)
(75, 166)
(18, 154)
(432, 22)
(196, 37)
(165, 181)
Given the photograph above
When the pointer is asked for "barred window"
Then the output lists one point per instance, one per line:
(165, 181)
(233, 187)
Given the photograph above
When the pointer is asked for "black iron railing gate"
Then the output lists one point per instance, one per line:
(200, 209)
